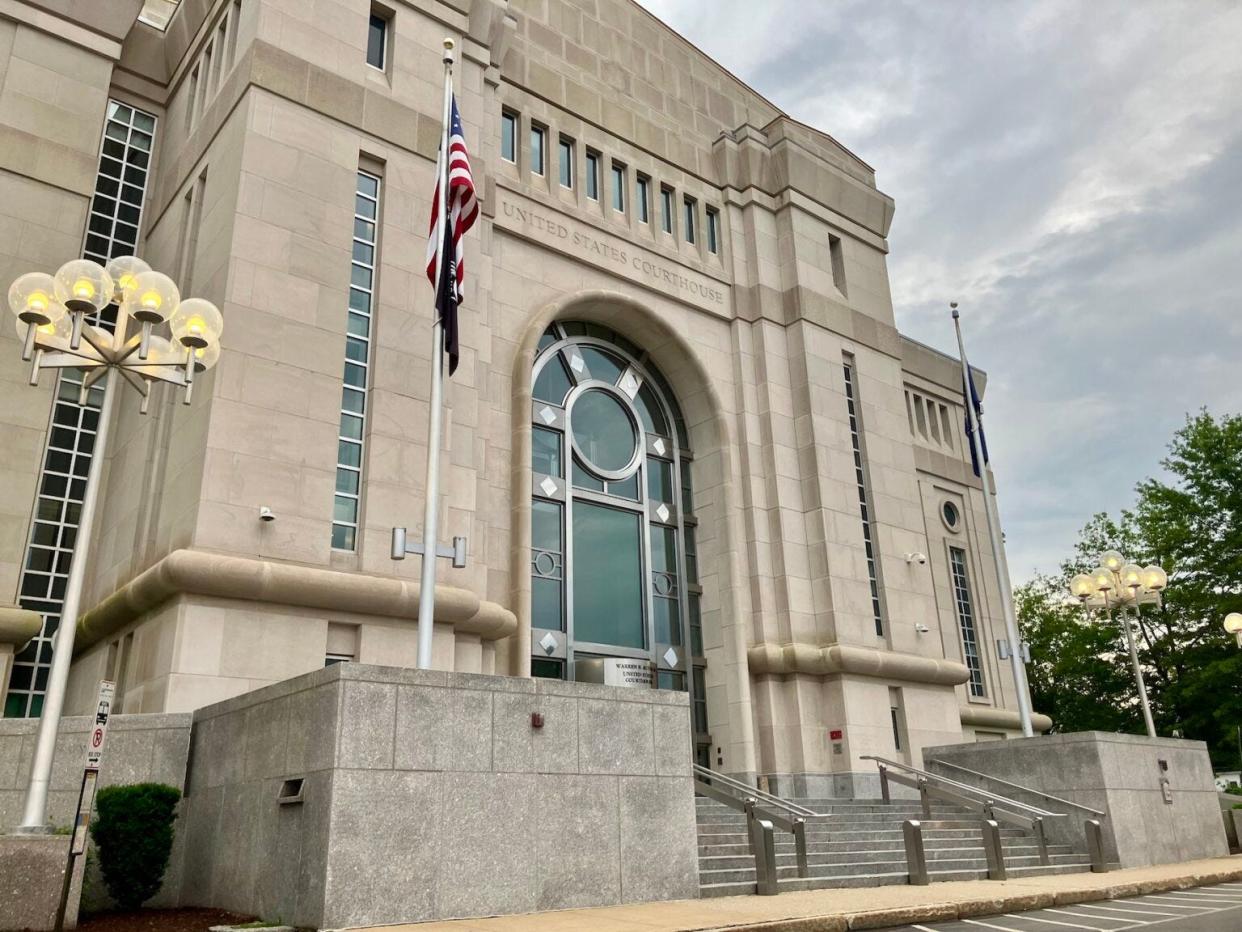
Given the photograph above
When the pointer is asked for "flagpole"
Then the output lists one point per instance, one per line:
(427, 583)
(994, 533)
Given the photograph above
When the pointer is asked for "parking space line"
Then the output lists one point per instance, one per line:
(1121, 909)
(988, 925)
(1053, 922)
(1065, 912)
(1227, 897)
(1181, 905)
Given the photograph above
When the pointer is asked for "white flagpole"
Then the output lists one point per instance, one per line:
(994, 532)
(427, 584)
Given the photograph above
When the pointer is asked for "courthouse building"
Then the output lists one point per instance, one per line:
(684, 430)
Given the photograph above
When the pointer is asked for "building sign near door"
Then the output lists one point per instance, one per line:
(621, 671)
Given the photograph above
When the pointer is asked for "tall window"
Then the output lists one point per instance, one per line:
(566, 163)
(692, 212)
(713, 231)
(538, 155)
(614, 560)
(357, 365)
(508, 136)
(666, 209)
(864, 498)
(377, 42)
(966, 619)
(592, 175)
(642, 198)
(112, 230)
(618, 186)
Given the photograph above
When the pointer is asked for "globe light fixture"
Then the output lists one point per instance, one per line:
(1115, 583)
(1233, 625)
(60, 322)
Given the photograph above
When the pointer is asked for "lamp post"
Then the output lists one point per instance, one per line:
(1233, 625)
(1116, 583)
(52, 323)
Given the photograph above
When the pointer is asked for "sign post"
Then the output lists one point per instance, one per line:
(86, 795)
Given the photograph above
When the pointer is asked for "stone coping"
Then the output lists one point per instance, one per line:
(1084, 737)
(197, 572)
(82, 724)
(18, 625)
(403, 676)
(841, 910)
(987, 716)
(861, 661)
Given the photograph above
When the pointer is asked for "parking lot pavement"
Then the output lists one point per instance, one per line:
(1215, 908)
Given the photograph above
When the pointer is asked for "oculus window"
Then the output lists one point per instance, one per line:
(614, 558)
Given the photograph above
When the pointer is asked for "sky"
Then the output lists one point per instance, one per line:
(1071, 173)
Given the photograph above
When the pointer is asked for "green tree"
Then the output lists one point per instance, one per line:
(1190, 522)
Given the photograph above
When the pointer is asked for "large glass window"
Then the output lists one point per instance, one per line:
(112, 230)
(614, 562)
(966, 619)
(348, 497)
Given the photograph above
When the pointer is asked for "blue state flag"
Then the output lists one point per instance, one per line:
(970, 392)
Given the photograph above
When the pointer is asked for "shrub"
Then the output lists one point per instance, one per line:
(1234, 789)
(133, 832)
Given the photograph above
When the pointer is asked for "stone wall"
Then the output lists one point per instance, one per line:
(428, 794)
(1118, 774)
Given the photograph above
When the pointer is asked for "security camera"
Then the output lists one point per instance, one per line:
(921, 629)
(266, 514)
(919, 558)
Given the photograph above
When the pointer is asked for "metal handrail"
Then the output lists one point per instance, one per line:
(1024, 789)
(703, 773)
(987, 798)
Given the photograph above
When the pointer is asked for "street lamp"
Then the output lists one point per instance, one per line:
(1233, 625)
(1117, 584)
(52, 324)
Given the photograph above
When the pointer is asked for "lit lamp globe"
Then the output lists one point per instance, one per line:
(206, 356)
(1233, 625)
(1155, 579)
(83, 286)
(197, 323)
(1112, 561)
(32, 299)
(125, 271)
(1102, 579)
(1082, 587)
(1132, 576)
(152, 298)
(62, 327)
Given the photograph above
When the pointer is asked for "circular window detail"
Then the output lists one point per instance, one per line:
(603, 432)
(951, 516)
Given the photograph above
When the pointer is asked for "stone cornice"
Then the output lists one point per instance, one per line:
(196, 572)
(860, 661)
(17, 626)
(985, 716)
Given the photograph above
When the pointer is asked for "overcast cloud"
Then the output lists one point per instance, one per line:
(1071, 172)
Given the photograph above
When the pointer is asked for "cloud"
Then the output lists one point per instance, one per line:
(1070, 172)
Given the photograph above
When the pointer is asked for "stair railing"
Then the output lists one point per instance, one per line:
(761, 822)
(992, 808)
(1092, 828)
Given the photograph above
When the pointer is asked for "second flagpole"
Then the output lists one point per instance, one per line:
(427, 581)
(994, 533)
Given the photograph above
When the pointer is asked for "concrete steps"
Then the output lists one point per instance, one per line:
(861, 844)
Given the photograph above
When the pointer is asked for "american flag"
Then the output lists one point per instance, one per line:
(463, 210)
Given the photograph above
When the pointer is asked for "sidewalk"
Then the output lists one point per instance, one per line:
(864, 908)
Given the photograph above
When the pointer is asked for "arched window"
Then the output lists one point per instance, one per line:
(614, 566)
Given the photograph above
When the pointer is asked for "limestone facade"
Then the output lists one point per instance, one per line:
(772, 324)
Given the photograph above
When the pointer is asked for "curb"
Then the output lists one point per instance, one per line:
(969, 909)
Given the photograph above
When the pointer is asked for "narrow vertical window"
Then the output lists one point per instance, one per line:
(537, 155)
(894, 715)
(508, 136)
(592, 175)
(221, 45)
(691, 216)
(234, 27)
(864, 498)
(566, 162)
(713, 231)
(666, 209)
(966, 619)
(642, 196)
(191, 100)
(377, 42)
(112, 230)
(205, 84)
(357, 365)
(618, 187)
